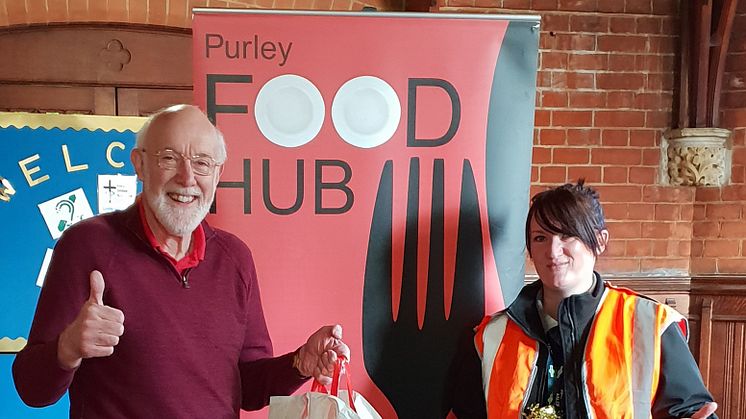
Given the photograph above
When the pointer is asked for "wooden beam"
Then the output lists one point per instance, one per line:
(706, 28)
(718, 53)
(705, 339)
(700, 54)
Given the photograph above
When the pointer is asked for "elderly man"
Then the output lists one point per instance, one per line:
(150, 312)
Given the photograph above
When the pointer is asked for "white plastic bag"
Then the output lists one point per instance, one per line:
(318, 404)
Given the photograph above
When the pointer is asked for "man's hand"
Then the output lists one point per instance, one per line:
(705, 411)
(317, 357)
(94, 332)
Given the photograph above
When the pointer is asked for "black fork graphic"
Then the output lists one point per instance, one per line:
(407, 355)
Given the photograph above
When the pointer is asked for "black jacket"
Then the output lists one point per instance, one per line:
(681, 391)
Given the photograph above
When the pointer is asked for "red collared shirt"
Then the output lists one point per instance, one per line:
(197, 249)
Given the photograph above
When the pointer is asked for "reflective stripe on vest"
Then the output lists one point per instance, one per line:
(509, 359)
(621, 366)
(624, 341)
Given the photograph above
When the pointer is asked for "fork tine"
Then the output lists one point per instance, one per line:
(435, 309)
(408, 300)
(377, 320)
(424, 244)
(451, 194)
(377, 284)
(398, 231)
(469, 276)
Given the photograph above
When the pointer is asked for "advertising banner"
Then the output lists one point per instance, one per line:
(379, 169)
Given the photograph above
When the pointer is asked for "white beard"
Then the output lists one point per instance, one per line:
(179, 221)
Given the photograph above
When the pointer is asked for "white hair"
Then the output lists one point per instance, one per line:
(142, 134)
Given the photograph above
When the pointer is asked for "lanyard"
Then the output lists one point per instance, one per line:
(554, 384)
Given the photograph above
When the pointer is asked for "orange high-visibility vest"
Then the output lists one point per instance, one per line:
(621, 364)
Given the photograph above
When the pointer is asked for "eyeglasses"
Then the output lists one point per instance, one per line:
(168, 159)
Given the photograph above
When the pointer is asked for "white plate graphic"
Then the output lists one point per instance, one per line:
(366, 111)
(289, 110)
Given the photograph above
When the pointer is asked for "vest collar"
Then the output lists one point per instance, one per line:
(582, 307)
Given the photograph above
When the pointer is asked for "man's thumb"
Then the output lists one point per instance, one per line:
(97, 288)
(337, 331)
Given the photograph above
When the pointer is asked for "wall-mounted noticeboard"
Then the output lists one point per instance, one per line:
(54, 171)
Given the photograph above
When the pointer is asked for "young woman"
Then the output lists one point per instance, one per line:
(572, 345)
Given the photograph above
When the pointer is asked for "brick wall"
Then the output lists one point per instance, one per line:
(176, 13)
(604, 99)
(605, 94)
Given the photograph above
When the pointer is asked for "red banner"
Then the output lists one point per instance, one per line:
(377, 170)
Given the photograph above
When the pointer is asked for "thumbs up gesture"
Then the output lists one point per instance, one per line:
(94, 332)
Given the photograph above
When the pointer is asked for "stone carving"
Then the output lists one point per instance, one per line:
(115, 55)
(698, 157)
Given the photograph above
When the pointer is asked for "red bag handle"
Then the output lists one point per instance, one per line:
(339, 369)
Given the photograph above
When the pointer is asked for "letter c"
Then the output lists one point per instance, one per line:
(114, 164)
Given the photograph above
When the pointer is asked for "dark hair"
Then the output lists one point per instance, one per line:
(569, 210)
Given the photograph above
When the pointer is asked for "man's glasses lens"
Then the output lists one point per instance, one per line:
(201, 165)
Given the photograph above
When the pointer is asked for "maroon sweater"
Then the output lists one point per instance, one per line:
(197, 352)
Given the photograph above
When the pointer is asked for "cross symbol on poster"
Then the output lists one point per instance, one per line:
(112, 190)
